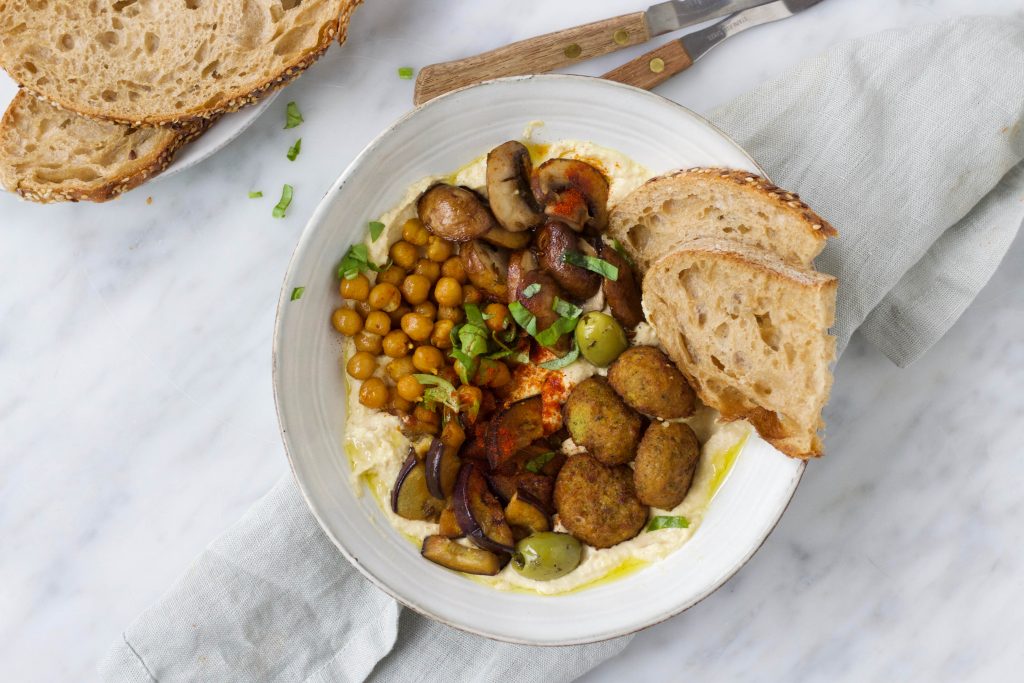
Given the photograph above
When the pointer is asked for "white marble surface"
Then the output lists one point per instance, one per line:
(137, 417)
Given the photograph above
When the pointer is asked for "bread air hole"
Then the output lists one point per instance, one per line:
(66, 42)
(769, 333)
(637, 236)
(150, 43)
(107, 39)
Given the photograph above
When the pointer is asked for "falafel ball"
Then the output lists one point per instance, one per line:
(597, 503)
(648, 381)
(601, 422)
(666, 461)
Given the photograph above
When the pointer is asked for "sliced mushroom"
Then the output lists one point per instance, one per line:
(554, 241)
(508, 188)
(519, 263)
(454, 213)
(622, 294)
(501, 237)
(486, 267)
(575, 192)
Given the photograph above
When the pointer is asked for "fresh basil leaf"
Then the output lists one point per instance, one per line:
(567, 359)
(465, 368)
(405, 73)
(297, 293)
(473, 340)
(255, 194)
(668, 522)
(531, 289)
(536, 464)
(292, 115)
(592, 263)
(440, 390)
(355, 261)
(621, 251)
(473, 315)
(522, 316)
(550, 336)
(294, 150)
(566, 309)
(284, 202)
(376, 229)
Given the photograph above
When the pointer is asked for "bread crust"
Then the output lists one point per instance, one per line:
(147, 167)
(335, 30)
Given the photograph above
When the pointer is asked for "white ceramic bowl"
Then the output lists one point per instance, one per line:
(439, 137)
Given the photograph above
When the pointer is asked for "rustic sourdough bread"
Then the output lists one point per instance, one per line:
(720, 203)
(48, 154)
(750, 332)
(163, 61)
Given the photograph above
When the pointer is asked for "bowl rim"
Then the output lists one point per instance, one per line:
(317, 216)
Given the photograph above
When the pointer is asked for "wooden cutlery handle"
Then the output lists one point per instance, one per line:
(654, 67)
(533, 55)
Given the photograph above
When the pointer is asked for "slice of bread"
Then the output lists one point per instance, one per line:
(163, 61)
(750, 332)
(720, 203)
(48, 154)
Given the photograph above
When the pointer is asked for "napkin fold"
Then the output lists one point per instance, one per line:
(910, 142)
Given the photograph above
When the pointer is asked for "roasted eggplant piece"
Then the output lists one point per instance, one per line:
(536, 488)
(622, 294)
(524, 514)
(509, 170)
(448, 553)
(512, 429)
(519, 263)
(553, 241)
(442, 468)
(486, 267)
(448, 525)
(479, 513)
(573, 191)
(410, 497)
(454, 213)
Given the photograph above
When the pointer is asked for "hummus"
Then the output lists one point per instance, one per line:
(377, 448)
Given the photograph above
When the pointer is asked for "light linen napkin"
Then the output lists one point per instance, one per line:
(910, 142)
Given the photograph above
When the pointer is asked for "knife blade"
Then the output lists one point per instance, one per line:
(661, 63)
(570, 46)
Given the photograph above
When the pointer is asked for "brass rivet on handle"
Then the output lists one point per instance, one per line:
(573, 50)
(657, 65)
(621, 37)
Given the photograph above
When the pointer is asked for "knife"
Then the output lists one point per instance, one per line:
(661, 63)
(569, 46)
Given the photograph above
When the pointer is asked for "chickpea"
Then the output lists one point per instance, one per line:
(396, 344)
(403, 254)
(398, 404)
(441, 336)
(427, 308)
(417, 326)
(452, 434)
(448, 292)
(346, 321)
(357, 289)
(369, 342)
(498, 320)
(361, 365)
(471, 295)
(453, 268)
(392, 274)
(427, 359)
(428, 420)
(448, 373)
(373, 393)
(397, 315)
(469, 398)
(428, 269)
(416, 288)
(453, 313)
(414, 232)
(492, 373)
(438, 250)
(399, 368)
(410, 388)
(377, 322)
(385, 297)
(363, 308)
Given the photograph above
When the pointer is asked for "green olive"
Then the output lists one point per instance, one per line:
(601, 338)
(546, 555)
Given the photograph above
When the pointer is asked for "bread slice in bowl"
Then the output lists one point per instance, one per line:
(164, 61)
(750, 333)
(717, 203)
(48, 154)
